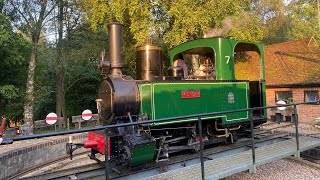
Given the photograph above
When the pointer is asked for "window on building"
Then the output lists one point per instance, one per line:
(284, 95)
(311, 96)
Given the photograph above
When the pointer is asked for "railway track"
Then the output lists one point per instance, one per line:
(21, 174)
(96, 171)
(80, 172)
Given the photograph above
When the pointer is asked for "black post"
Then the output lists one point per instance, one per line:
(201, 147)
(297, 132)
(253, 170)
(106, 153)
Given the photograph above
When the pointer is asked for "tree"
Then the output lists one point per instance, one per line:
(303, 19)
(281, 22)
(32, 16)
(246, 27)
(13, 52)
(169, 22)
(60, 96)
(135, 16)
(81, 51)
(183, 20)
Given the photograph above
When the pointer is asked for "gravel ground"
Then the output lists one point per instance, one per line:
(280, 170)
(290, 127)
(284, 169)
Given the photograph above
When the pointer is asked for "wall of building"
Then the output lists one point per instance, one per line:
(306, 113)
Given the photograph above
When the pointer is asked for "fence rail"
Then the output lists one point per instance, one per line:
(78, 119)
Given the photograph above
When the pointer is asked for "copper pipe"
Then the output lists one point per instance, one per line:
(235, 128)
(227, 133)
(216, 127)
(225, 129)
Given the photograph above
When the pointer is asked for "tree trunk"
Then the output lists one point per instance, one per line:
(60, 106)
(29, 103)
(60, 93)
(64, 107)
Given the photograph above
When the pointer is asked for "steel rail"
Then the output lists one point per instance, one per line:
(65, 172)
(21, 174)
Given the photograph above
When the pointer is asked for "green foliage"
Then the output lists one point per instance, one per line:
(184, 25)
(246, 27)
(281, 22)
(187, 19)
(133, 14)
(45, 82)
(303, 19)
(11, 101)
(9, 91)
(81, 54)
(14, 48)
(14, 51)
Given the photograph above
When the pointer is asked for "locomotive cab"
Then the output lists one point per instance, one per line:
(228, 63)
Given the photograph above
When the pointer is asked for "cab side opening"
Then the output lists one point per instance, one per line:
(247, 65)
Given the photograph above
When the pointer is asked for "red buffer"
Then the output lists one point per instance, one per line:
(96, 141)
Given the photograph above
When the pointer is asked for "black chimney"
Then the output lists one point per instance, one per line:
(115, 47)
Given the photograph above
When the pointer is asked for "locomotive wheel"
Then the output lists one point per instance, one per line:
(126, 156)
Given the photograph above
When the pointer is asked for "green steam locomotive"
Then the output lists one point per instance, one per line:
(200, 79)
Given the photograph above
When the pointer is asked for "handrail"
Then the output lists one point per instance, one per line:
(35, 136)
(198, 116)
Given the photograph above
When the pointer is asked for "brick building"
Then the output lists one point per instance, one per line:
(292, 74)
(295, 93)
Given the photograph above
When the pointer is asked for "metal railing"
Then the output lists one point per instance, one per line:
(198, 116)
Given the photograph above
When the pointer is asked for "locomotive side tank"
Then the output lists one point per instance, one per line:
(210, 86)
(169, 99)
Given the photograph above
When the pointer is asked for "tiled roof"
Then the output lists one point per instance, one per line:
(292, 62)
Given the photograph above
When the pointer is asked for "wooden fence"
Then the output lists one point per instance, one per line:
(41, 124)
(78, 120)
